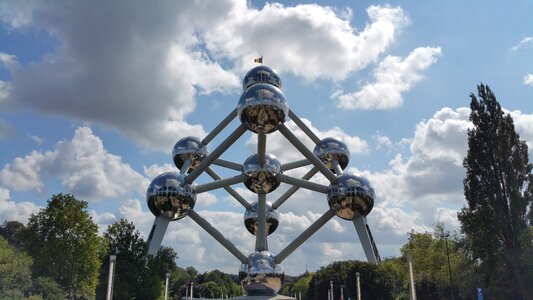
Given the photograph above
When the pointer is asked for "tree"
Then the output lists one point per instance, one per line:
(498, 189)
(48, 288)
(64, 243)
(9, 230)
(15, 271)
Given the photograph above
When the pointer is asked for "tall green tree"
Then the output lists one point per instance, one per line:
(499, 189)
(9, 230)
(64, 243)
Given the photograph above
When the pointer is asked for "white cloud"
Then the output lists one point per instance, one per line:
(528, 79)
(86, 169)
(525, 43)
(140, 73)
(394, 76)
(15, 211)
(278, 145)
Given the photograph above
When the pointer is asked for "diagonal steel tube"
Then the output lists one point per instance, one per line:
(305, 235)
(220, 127)
(261, 148)
(228, 164)
(220, 183)
(293, 189)
(337, 167)
(302, 183)
(217, 235)
(307, 153)
(232, 138)
(185, 166)
(229, 189)
(304, 127)
(365, 239)
(295, 164)
(261, 235)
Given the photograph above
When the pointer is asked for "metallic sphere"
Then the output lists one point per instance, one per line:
(331, 149)
(261, 275)
(168, 194)
(261, 178)
(351, 196)
(262, 108)
(189, 148)
(261, 74)
(251, 218)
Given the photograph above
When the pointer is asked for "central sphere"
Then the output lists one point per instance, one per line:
(330, 149)
(261, 178)
(251, 220)
(189, 148)
(351, 196)
(262, 108)
(261, 275)
(169, 195)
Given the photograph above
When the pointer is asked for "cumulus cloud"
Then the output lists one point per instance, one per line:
(15, 211)
(140, 73)
(393, 76)
(278, 145)
(528, 79)
(85, 167)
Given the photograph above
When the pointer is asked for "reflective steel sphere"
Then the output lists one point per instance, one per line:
(251, 221)
(261, 74)
(261, 275)
(189, 148)
(351, 196)
(261, 178)
(262, 108)
(168, 194)
(331, 149)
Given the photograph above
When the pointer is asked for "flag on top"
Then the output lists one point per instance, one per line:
(259, 60)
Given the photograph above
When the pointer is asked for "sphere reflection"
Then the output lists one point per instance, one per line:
(251, 220)
(351, 196)
(261, 74)
(331, 149)
(189, 148)
(261, 178)
(169, 195)
(261, 275)
(262, 108)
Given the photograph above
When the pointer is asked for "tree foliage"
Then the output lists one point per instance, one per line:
(376, 281)
(64, 243)
(15, 271)
(499, 191)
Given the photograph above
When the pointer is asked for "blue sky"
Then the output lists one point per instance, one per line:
(94, 96)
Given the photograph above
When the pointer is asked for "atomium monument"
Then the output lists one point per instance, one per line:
(262, 109)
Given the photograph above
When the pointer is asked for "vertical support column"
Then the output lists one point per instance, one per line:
(112, 260)
(261, 238)
(358, 285)
(331, 286)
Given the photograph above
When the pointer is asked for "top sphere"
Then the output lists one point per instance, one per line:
(189, 148)
(351, 196)
(331, 149)
(169, 195)
(261, 74)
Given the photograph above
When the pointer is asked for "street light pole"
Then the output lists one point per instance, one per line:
(358, 285)
(411, 277)
(112, 260)
(166, 285)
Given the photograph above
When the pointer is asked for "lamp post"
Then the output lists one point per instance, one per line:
(449, 264)
(112, 260)
(166, 285)
(411, 276)
(358, 285)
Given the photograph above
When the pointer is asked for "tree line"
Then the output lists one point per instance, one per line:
(59, 254)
